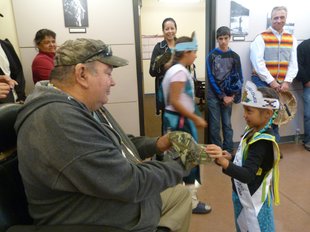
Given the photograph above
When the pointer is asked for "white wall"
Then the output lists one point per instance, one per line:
(109, 21)
(7, 24)
(112, 22)
(189, 18)
(258, 20)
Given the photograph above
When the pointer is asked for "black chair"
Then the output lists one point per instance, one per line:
(14, 216)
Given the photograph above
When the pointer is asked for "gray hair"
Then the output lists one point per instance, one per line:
(63, 74)
(278, 8)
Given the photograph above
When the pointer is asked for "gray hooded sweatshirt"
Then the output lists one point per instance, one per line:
(81, 169)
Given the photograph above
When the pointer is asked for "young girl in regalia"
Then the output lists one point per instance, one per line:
(254, 168)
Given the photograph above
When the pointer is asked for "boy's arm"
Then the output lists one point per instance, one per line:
(220, 94)
(238, 67)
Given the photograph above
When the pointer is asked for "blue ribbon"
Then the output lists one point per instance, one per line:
(187, 46)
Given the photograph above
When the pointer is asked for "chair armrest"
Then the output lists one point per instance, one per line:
(63, 228)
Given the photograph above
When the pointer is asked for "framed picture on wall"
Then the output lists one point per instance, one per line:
(75, 13)
(239, 20)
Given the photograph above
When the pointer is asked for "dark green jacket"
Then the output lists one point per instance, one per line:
(77, 170)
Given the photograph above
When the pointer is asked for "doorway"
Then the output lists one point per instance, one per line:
(189, 17)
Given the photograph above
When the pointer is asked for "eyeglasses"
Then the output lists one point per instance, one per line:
(105, 52)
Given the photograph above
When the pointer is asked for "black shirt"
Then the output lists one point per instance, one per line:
(260, 155)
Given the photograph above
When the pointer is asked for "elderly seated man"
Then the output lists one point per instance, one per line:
(77, 164)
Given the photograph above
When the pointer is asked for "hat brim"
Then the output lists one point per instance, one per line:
(115, 61)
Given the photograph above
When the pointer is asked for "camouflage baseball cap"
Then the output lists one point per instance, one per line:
(86, 50)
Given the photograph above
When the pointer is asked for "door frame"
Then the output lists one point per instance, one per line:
(137, 4)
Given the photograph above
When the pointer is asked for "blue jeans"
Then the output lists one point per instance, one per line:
(217, 114)
(306, 97)
(259, 83)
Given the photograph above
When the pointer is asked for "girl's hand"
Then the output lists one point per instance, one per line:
(227, 155)
(214, 151)
(219, 155)
(200, 122)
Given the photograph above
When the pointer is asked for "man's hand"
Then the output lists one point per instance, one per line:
(6, 79)
(163, 143)
(4, 90)
(6, 84)
(285, 86)
(275, 85)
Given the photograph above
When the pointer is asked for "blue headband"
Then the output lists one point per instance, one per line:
(187, 46)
